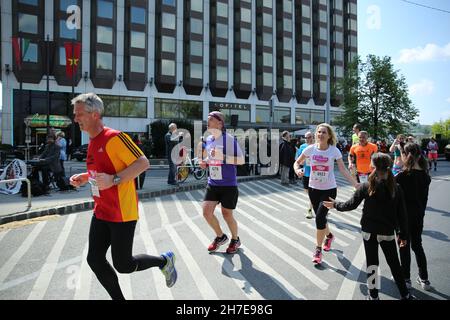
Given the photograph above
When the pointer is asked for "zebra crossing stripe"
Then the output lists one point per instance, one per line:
(240, 281)
(162, 292)
(46, 273)
(2, 234)
(6, 269)
(200, 280)
(351, 278)
(255, 198)
(271, 191)
(266, 197)
(83, 287)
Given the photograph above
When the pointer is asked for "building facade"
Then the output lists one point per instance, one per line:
(172, 59)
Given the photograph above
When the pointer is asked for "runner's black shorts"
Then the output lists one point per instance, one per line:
(227, 195)
(305, 181)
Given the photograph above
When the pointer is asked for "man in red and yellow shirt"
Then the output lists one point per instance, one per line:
(360, 154)
(113, 161)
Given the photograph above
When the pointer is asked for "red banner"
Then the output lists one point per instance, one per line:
(73, 51)
(17, 51)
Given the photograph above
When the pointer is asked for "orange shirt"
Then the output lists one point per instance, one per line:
(363, 155)
(110, 152)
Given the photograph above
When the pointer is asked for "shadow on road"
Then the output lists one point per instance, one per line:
(436, 235)
(444, 213)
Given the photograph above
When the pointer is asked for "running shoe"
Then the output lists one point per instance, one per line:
(309, 214)
(425, 284)
(328, 241)
(169, 270)
(407, 282)
(317, 257)
(218, 241)
(234, 245)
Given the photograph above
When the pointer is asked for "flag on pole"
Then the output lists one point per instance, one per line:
(20, 47)
(73, 51)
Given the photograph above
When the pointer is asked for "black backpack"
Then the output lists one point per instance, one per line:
(37, 188)
(64, 184)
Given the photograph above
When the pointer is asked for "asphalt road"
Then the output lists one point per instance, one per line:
(46, 259)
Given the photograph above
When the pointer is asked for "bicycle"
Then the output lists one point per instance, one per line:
(190, 166)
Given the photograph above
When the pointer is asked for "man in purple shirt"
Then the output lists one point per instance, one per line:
(222, 153)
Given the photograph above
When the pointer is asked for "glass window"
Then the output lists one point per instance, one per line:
(267, 39)
(246, 15)
(322, 16)
(306, 11)
(28, 23)
(63, 4)
(196, 26)
(62, 56)
(323, 86)
(338, 5)
(317, 117)
(169, 2)
(29, 2)
(168, 67)
(339, 72)
(168, 21)
(267, 20)
(267, 3)
(306, 29)
(112, 106)
(323, 68)
(133, 107)
(287, 82)
(246, 35)
(352, 8)
(324, 2)
(338, 37)
(323, 33)
(267, 59)
(306, 84)
(287, 6)
(282, 115)
(268, 79)
(287, 61)
(339, 54)
(104, 60)
(65, 32)
(196, 70)
(287, 44)
(262, 114)
(137, 64)
(197, 6)
(222, 9)
(105, 9)
(222, 52)
(352, 24)
(196, 48)
(31, 55)
(170, 109)
(137, 39)
(302, 116)
(222, 73)
(287, 25)
(306, 47)
(104, 34)
(323, 51)
(306, 66)
(246, 56)
(168, 44)
(246, 76)
(138, 15)
(222, 31)
(338, 20)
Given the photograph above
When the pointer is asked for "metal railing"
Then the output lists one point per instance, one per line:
(28, 188)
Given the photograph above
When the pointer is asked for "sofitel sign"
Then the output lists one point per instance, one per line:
(225, 105)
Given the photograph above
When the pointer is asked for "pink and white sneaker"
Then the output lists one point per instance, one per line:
(328, 241)
(317, 257)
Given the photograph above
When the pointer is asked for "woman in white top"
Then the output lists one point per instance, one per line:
(322, 183)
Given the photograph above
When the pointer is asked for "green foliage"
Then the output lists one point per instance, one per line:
(375, 96)
(441, 127)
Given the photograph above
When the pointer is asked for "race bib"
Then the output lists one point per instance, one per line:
(433, 151)
(319, 173)
(363, 178)
(94, 188)
(215, 172)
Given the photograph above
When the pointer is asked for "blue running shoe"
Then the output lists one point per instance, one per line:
(169, 270)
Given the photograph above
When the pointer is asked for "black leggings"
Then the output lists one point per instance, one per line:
(415, 243)
(118, 235)
(390, 252)
(317, 196)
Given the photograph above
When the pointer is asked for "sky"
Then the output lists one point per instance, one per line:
(418, 41)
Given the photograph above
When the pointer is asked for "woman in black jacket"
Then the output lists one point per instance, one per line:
(415, 182)
(383, 214)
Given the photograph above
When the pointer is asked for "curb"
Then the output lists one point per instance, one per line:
(87, 205)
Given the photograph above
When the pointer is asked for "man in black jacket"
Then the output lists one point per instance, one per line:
(172, 138)
(287, 157)
(49, 161)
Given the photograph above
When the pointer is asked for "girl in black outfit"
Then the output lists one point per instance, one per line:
(415, 182)
(383, 214)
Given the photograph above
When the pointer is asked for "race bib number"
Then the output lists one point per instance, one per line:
(320, 173)
(215, 172)
(363, 178)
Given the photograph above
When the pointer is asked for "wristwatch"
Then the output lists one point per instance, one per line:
(116, 180)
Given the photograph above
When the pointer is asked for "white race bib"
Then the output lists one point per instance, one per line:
(215, 172)
(94, 188)
(363, 178)
(319, 173)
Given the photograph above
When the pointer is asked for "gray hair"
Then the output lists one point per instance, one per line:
(172, 126)
(92, 102)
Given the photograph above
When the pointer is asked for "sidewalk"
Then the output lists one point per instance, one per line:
(13, 207)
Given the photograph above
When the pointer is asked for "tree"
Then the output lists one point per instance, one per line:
(442, 128)
(376, 96)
